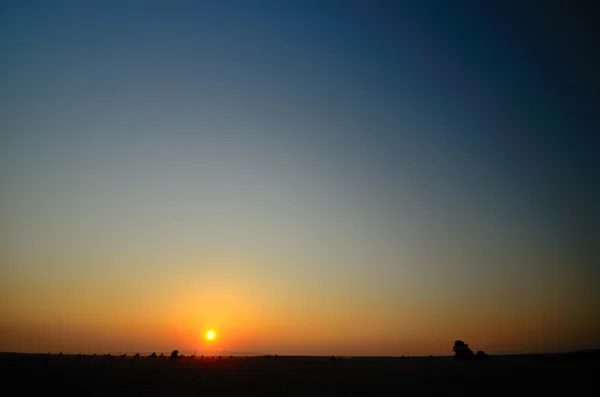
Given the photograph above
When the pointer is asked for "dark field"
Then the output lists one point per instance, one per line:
(569, 374)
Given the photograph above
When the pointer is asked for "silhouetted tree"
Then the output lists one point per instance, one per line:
(174, 354)
(481, 355)
(162, 356)
(462, 350)
(137, 356)
(153, 355)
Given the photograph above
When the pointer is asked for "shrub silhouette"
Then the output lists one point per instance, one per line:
(174, 354)
(153, 355)
(462, 350)
(481, 355)
(137, 356)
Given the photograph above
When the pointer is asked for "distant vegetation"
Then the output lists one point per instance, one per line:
(462, 351)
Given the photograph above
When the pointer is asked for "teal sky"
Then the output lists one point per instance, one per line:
(420, 169)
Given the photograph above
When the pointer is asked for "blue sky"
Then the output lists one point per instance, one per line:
(421, 156)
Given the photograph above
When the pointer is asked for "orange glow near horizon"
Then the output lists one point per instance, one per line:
(247, 316)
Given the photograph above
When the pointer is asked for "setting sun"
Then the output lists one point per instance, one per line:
(210, 335)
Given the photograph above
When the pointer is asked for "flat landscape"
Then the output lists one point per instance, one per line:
(566, 374)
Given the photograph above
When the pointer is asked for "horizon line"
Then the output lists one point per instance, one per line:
(241, 354)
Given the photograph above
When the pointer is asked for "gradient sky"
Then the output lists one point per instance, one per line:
(307, 177)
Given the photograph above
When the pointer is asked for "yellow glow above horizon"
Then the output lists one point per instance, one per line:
(210, 335)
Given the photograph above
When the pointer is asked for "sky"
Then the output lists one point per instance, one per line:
(304, 177)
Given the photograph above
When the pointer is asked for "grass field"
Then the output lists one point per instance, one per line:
(30, 374)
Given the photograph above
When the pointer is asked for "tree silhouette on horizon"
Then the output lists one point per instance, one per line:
(462, 350)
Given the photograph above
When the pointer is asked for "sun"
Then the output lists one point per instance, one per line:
(210, 334)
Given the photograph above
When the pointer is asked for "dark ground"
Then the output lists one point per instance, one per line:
(569, 374)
